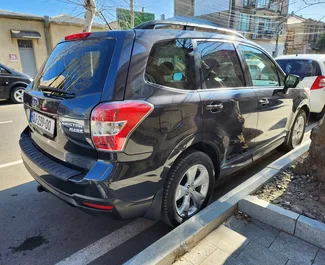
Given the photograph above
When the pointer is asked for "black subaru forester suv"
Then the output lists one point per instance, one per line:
(147, 121)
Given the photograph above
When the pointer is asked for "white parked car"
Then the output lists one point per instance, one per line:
(311, 70)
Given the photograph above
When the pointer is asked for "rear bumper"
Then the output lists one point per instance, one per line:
(76, 187)
(317, 100)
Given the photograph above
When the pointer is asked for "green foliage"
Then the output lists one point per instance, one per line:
(124, 18)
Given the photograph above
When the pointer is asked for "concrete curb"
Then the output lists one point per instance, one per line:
(295, 224)
(270, 214)
(311, 231)
(184, 237)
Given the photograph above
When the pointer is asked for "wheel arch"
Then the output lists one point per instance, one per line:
(303, 106)
(14, 85)
(306, 109)
(198, 142)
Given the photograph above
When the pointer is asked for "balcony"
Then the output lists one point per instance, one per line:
(263, 35)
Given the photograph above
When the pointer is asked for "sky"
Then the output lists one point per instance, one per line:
(56, 7)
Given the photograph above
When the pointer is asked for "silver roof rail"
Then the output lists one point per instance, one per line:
(184, 25)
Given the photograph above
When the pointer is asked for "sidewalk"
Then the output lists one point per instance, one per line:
(242, 242)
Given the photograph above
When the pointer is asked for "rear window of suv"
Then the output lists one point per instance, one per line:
(78, 67)
(301, 67)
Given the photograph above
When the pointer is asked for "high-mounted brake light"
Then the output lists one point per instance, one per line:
(112, 123)
(319, 83)
(76, 36)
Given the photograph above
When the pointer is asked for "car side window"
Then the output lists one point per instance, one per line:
(220, 65)
(281, 77)
(171, 64)
(261, 68)
(3, 71)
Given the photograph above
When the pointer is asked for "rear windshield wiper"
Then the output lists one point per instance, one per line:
(56, 90)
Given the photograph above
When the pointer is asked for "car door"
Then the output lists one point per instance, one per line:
(4, 81)
(229, 108)
(274, 105)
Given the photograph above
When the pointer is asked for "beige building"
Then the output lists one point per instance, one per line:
(27, 40)
(302, 35)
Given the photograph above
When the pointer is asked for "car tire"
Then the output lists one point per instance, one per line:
(191, 179)
(17, 94)
(297, 131)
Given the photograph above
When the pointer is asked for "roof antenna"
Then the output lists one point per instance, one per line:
(105, 20)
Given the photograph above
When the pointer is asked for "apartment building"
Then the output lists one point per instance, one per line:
(302, 35)
(259, 20)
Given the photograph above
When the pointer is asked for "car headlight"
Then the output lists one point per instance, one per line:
(31, 79)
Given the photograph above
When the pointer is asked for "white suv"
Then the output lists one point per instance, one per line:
(311, 70)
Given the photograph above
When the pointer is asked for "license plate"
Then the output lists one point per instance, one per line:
(42, 122)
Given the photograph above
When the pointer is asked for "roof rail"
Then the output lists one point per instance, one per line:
(183, 25)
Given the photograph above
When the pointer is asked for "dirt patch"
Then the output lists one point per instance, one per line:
(30, 243)
(303, 194)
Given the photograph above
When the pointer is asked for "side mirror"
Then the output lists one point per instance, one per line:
(178, 76)
(291, 81)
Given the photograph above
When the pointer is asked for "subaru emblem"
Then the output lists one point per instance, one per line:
(35, 102)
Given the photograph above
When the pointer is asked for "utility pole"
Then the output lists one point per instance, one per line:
(230, 14)
(132, 13)
(276, 50)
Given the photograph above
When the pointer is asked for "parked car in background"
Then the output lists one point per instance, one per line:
(12, 84)
(311, 70)
(146, 121)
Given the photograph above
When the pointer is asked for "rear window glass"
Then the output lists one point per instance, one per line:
(302, 68)
(79, 67)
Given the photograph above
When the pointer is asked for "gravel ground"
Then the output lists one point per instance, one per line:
(298, 193)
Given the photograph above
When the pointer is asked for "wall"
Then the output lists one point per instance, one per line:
(269, 46)
(298, 44)
(10, 46)
(59, 31)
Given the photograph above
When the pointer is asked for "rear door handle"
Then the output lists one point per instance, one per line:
(214, 107)
(264, 101)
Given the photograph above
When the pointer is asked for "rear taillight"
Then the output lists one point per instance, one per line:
(76, 36)
(112, 123)
(319, 83)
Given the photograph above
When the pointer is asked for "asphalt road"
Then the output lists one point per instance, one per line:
(37, 228)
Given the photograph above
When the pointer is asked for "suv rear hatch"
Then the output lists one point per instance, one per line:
(74, 79)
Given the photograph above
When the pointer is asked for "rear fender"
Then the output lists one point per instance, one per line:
(191, 142)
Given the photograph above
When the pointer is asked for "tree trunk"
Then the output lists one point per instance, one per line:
(90, 6)
(314, 162)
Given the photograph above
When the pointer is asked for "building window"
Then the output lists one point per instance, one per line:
(290, 35)
(268, 4)
(264, 28)
(262, 3)
(244, 22)
(25, 44)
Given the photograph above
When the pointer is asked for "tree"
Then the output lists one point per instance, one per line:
(313, 164)
(90, 6)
